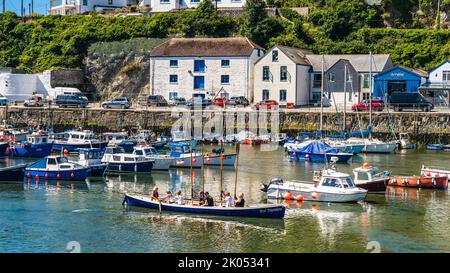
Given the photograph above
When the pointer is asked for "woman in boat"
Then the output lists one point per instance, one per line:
(155, 194)
(228, 200)
(179, 198)
(209, 201)
(241, 201)
(201, 200)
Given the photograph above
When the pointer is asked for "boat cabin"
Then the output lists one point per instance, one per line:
(89, 154)
(365, 173)
(115, 137)
(179, 148)
(53, 163)
(36, 139)
(126, 158)
(331, 178)
(85, 136)
(145, 151)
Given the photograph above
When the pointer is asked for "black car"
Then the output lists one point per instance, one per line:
(71, 101)
(197, 102)
(404, 100)
(238, 101)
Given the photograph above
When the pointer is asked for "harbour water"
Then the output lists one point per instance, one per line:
(39, 218)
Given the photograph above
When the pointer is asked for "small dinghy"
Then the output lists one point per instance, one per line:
(10, 174)
(435, 147)
(332, 187)
(430, 171)
(369, 178)
(261, 211)
(57, 167)
(423, 182)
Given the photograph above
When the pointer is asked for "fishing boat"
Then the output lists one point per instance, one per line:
(57, 167)
(92, 158)
(424, 182)
(430, 171)
(182, 157)
(3, 147)
(446, 147)
(121, 162)
(374, 145)
(77, 140)
(345, 146)
(10, 174)
(435, 146)
(162, 162)
(319, 151)
(369, 178)
(406, 142)
(120, 139)
(36, 145)
(332, 187)
(261, 211)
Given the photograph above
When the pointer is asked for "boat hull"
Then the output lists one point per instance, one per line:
(378, 186)
(380, 148)
(320, 157)
(98, 170)
(317, 196)
(31, 150)
(78, 174)
(161, 164)
(228, 160)
(72, 148)
(267, 211)
(133, 167)
(424, 182)
(10, 174)
(435, 147)
(3, 148)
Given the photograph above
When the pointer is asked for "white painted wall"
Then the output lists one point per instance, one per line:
(239, 73)
(436, 75)
(92, 5)
(167, 5)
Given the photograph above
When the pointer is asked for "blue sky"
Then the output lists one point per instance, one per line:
(39, 6)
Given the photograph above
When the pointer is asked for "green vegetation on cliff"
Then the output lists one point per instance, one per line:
(332, 26)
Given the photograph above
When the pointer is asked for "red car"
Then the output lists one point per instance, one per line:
(219, 102)
(265, 104)
(377, 105)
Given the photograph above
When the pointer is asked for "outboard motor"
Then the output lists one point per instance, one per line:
(274, 181)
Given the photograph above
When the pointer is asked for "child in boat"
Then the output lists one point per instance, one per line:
(179, 200)
(168, 198)
(209, 201)
(155, 194)
(228, 200)
(241, 201)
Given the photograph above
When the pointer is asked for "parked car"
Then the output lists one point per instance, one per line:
(177, 101)
(405, 100)
(34, 101)
(71, 101)
(120, 103)
(3, 100)
(156, 100)
(377, 105)
(266, 104)
(220, 102)
(198, 102)
(238, 101)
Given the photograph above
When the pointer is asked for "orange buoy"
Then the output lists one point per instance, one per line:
(299, 198)
(315, 195)
(66, 152)
(428, 174)
(294, 154)
(37, 176)
(194, 160)
(72, 175)
(366, 165)
(288, 196)
(58, 176)
(46, 175)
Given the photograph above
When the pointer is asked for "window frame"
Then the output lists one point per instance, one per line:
(170, 79)
(222, 77)
(225, 60)
(266, 68)
(285, 95)
(285, 78)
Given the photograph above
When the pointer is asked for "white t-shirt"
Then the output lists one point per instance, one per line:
(228, 201)
(179, 200)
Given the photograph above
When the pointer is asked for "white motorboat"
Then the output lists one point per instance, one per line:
(430, 171)
(374, 145)
(119, 161)
(162, 162)
(406, 142)
(369, 178)
(332, 187)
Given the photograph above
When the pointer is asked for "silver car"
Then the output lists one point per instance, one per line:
(119, 103)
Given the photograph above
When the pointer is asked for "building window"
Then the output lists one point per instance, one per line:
(173, 79)
(445, 76)
(199, 66)
(274, 55)
(283, 73)
(349, 77)
(85, 2)
(331, 77)
(316, 96)
(225, 79)
(173, 63)
(283, 95)
(110, 2)
(365, 96)
(317, 80)
(199, 82)
(366, 80)
(225, 63)
(164, 1)
(265, 94)
(195, 1)
(173, 95)
(266, 73)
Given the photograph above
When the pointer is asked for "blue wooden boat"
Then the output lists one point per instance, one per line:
(3, 147)
(121, 162)
(318, 151)
(56, 167)
(14, 173)
(262, 211)
(435, 146)
(92, 158)
(37, 145)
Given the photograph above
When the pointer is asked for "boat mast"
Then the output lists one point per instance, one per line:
(192, 175)
(221, 170)
(321, 98)
(345, 99)
(203, 171)
(236, 171)
(370, 95)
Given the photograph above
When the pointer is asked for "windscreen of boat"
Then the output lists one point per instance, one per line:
(330, 182)
(348, 182)
(150, 151)
(62, 160)
(362, 176)
(139, 152)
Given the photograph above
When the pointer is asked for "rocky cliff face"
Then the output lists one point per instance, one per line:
(118, 75)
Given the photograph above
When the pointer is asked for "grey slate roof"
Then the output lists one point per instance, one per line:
(361, 62)
(297, 55)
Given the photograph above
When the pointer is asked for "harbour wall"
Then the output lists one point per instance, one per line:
(424, 128)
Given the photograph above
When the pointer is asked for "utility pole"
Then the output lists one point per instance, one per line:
(29, 9)
(32, 6)
(21, 8)
(4, 6)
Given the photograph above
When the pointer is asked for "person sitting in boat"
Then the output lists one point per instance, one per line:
(209, 201)
(241, 201)
(169, 198)
(202, 199)
(228, 200)
(179, 199)
(155, 194)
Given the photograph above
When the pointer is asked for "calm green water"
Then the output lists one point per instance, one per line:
(38, 219)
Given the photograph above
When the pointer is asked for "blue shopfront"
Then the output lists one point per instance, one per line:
(396, 79)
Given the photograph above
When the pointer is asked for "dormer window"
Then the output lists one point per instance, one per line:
(274, 55)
